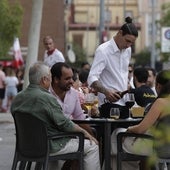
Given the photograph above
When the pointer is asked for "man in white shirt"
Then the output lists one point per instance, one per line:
(52, 55)
(109, 71)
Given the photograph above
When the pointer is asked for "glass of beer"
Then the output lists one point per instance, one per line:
(114, 113)
(89, 102)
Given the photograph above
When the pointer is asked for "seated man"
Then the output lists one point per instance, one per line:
(143, 93)
(65, 94)
(37, 100)
(158, 111)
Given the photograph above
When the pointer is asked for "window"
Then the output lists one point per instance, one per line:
(78, 39)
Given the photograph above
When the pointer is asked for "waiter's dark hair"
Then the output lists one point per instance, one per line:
(129, 27)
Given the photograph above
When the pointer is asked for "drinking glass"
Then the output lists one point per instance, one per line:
(114, 113)
(88, 102)
(130, 101)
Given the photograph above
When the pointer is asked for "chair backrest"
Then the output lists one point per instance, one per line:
(162, 139)
(31, 136)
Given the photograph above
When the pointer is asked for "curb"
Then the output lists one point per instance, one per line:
(6, 118)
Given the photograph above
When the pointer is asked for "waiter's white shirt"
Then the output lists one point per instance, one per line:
(110, 67)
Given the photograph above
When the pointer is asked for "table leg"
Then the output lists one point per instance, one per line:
(107, 145)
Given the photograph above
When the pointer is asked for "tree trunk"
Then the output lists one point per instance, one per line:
(33, 38)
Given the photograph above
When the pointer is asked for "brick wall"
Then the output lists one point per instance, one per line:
(52, 23)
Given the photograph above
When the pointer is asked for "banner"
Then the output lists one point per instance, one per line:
(18, 60)
(165, 43)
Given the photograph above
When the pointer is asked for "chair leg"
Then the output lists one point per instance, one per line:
(28, 165)
(38, 166)
(164, 166)
(22, 165)
(45, 165)
(143, 165)
(119, 167)
(81, 163)
(14, 164)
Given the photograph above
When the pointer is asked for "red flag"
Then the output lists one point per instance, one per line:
(18, 60)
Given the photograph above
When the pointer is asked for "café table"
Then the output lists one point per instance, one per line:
(108, 125)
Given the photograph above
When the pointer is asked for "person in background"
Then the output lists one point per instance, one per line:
(85, 66)
(144, 95)
(77, 85)
(109, 71)
(48, 110)
(83, 76)
(20, 76)
(2, 86)
(159, 109)
(52, 55)
(130, 76)
(83, 90)
(151, 79)
(11, 82)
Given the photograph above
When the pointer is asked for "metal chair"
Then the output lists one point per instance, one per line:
(32, 144)
(125, 156)
(162, 148)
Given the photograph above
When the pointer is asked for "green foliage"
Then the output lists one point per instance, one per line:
(10, 23)
(165, 15)
(142, 58)
(80, 56)
(165, 22)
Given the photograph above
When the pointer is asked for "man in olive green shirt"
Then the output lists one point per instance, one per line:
(37, 100)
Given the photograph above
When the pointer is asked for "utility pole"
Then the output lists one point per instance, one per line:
(101, 26)
(33, 38)
(153, 53)
(124, 8)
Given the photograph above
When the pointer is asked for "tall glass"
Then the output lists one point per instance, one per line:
(130, 101)
(89, 102)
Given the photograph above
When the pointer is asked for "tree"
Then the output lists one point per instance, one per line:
(10, 23)
(142, 58)
(34, 35)
(80, 56)
(165, 15)
(164, 22)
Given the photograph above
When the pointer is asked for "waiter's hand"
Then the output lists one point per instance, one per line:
(112, 95)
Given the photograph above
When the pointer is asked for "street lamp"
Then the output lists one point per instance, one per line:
(101, 25)
(124, 8)
(153, 36)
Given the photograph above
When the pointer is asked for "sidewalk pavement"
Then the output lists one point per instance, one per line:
(6, 118)
(7, 141)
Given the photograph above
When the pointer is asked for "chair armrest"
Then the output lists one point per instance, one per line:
(122, 135)
(80, 136)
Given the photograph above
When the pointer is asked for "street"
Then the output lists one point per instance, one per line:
(7, 141)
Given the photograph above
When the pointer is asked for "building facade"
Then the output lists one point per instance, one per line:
(78, 21)
(52, 24)
(84, 22)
